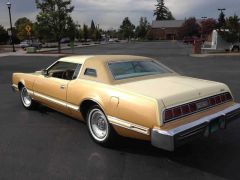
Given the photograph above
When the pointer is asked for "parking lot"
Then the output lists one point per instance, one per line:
(45, 144)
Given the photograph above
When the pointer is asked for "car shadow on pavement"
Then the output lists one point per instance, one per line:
(213, 155)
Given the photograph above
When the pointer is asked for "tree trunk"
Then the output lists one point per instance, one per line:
(59, 46)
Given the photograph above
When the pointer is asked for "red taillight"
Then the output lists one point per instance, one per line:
(168, 115)
(223, 97)
(212, 101)
(218, 99)
(193, 107)
(185, 109)
(177, 112)
(228, 96)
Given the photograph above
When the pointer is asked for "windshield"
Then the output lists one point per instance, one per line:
(130, 69)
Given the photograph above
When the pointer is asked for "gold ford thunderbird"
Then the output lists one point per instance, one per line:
(131, 96)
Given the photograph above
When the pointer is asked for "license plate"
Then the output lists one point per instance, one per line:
(202, 104)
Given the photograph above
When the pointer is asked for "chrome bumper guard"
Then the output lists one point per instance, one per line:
(169, 140)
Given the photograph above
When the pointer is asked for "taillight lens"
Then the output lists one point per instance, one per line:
(177, 112)
(184, 110)
(168, 115)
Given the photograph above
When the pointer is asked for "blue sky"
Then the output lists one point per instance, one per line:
(109, 13)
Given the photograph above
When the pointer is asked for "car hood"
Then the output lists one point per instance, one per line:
(174, 90)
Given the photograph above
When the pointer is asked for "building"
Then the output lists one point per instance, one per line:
(167, 29)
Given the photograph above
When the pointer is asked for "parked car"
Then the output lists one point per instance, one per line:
(30, 43)
(65, 40)
(132, 96)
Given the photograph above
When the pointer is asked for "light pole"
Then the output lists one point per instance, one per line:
(11, 37)
(221, 9)
(203, 19)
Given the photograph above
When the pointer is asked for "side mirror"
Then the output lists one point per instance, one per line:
(45, 72)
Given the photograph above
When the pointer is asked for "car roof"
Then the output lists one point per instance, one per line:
(101, 58)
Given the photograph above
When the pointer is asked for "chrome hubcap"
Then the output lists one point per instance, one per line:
(26, 99)
(98, 124)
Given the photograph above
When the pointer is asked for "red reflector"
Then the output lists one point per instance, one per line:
(212, 101)
(193, 107)
(168, 115)
(177, 112)
(228, 96)
(218, 99)
(185, 109)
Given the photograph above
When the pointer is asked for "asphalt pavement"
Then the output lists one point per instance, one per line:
(44, 144)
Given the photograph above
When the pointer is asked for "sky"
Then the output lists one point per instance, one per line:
(110, 13)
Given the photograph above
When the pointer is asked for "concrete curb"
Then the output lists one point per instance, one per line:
(214, 55)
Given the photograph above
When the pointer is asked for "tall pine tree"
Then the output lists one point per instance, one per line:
(162, 12)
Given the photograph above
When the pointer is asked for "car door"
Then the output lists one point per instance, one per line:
(51, 88)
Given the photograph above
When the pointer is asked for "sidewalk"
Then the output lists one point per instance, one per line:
(44, 51)
(214, 55)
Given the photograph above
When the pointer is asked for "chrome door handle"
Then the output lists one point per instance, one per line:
(62, 86)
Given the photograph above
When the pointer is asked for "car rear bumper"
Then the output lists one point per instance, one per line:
(173, 138)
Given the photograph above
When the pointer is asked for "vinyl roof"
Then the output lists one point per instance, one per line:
(101, 58)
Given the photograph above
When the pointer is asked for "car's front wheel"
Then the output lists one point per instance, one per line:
(99, 127)
(26, 99)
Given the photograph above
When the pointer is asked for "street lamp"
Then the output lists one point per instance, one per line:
(11, 37)
(221, 9)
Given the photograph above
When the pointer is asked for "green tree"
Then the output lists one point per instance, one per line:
(20, 25)
(3, 35)
(207, 26)
(93, 31)
(71, 29)
(231, 33)
(162, 12)
(190, 28)
(85, 32)
(221, 20)
(54, 16)
(142, 28)
(127, 29)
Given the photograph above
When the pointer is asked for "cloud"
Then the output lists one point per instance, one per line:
(110, 13)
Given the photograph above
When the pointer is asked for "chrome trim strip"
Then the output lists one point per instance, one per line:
(30, 92)
(128, 125)
(179, 129)
(56, 101)
(73, 107)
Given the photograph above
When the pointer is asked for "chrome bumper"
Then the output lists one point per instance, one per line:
(173, 138)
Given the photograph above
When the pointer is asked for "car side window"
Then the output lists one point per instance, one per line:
(90, 72)
(63, 70)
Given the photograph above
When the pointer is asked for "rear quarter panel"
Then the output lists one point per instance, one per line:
(123, 105)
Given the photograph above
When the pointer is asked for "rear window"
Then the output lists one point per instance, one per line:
(131, 69)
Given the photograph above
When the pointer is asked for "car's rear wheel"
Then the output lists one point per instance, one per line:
(26, 99)
(99, 127)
